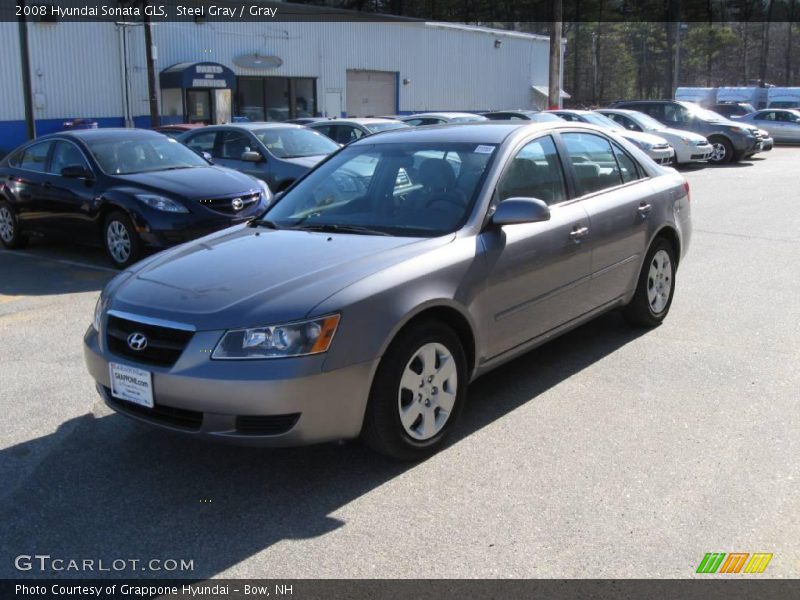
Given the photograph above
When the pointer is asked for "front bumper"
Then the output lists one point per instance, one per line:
(278, 402)
(662, 156)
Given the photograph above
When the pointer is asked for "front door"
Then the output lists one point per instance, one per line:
(198, 106)
(538, 272)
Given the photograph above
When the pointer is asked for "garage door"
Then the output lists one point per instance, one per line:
(371, 93)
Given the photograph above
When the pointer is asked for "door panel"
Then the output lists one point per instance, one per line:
(27, 183)
(538, 277)
(69, 201)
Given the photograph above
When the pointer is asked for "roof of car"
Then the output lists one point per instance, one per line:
(446, 115)
(522, 111)
(258, 125)
(357, 121)
(105, 133)
(479, 132)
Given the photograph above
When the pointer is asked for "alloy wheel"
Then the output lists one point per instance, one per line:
(427, 393)
(118, 241)
(719, 152)
(6, 225)
(659, 282)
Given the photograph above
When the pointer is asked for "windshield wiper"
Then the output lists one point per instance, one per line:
(257, 222)
(333, 228)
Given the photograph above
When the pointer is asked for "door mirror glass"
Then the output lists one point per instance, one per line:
(521, 210)
(252, 156)
(76, 172)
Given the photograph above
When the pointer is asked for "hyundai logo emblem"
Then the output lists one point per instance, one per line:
(237, 204)
(137, 341)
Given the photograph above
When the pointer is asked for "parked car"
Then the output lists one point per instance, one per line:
(655, 146)
(520, 115)
(689, 147)
(277, 153)
(439, 118)
(175, 130)
(124, 188)
(782, 124)
(363, 304)
(731, 141)
(344, 131)
(732, 110)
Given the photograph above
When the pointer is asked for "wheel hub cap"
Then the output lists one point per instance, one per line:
(118, 241)
(659, 282)
(6, 225)
(427, 391)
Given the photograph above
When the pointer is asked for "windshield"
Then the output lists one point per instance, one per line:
(295, 142)
(601, 121)
(647, 122)
(704, 113)
(405, 189)
(129, 156)
(468, 119)
(376, 127)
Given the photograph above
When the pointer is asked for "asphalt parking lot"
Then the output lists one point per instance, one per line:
(607, 453)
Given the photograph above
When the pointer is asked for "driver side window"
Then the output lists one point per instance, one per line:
(535, 172)
(66, 154)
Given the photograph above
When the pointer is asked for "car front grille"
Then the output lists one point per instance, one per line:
(166, 415)
(231, 205)
(164, 344)
(265, 424)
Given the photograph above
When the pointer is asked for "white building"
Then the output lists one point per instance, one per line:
(213, 71)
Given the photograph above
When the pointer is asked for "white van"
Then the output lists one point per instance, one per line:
(784, 97)
(756, 96)
(698, 95)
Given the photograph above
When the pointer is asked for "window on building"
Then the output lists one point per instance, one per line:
(275, 98)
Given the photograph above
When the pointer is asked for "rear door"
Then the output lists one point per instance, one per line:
(539, 272)
(26, 182)
(616, 195)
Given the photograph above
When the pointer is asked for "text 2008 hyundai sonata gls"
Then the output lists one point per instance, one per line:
(369, 295)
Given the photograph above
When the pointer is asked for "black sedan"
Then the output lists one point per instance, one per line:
(126, 189)
(278, 153)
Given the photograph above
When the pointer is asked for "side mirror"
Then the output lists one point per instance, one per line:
(207, 156)
(251, 156)
(76, 172)
(520, 210)
(277, 196)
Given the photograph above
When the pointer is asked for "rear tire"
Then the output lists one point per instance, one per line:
(722, 151)
(655, 289)
(417, 394)
(10, 233)
(121, 241)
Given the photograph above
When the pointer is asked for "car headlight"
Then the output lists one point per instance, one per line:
(161, 203)
(300, 338)
(98, 313)
(685, 141)
(743, 130)
(643, 145)
(266, 193)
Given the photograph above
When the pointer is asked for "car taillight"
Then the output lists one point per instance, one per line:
(688, 191)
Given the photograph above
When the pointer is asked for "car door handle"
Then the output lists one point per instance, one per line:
(578, 233)
(644, 210)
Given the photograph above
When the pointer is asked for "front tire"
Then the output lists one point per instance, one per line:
(10, 233)
(417, 394)
(121, 241)
(655, 289)
(722, 151)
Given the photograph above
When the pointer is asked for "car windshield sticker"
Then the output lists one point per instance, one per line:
(484, 149)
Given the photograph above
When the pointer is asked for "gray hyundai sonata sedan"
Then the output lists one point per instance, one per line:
(369, 295)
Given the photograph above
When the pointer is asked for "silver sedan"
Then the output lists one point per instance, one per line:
(364, 301)
(782, 124)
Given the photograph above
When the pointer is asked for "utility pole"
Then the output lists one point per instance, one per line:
(676, 67)
(151, 70)
(554, 85)
(25, 64)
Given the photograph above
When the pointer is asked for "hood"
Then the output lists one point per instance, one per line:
(681, 133)
(305, 161)
(647, 138)
(248, 276)
(195, 182)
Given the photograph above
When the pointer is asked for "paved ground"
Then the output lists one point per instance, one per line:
(607, 453)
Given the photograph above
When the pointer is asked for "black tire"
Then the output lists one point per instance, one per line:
(643, 311)
(722, 151)
(11, 235)
(383, 429)
(118, 258)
